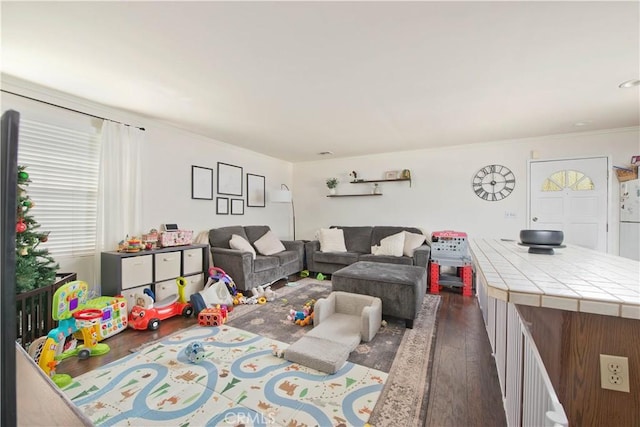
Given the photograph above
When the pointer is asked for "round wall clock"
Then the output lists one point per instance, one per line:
(493, 182)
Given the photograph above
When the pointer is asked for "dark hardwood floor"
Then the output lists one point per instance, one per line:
(464, 387)
(464, 381)
(121, 345)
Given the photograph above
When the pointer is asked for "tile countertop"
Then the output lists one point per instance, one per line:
(574, 278)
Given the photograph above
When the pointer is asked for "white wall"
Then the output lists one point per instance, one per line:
(440, 197)
(167, 182)
(169, 153)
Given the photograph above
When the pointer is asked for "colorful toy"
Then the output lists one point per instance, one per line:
(263, 292)
(215, 292)
(239, 298)
(215, 316)
(113, 318)
(310, 304)
(295, 316)
(306, 321)
(194, 352)
(130, 244)
(218, 274)
(88, 322)
(182, 283)
(69, 308)
(147, 314)
(303, 317)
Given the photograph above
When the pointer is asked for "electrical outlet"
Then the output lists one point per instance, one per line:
(615, 379)
(614, 372)
(613, 367)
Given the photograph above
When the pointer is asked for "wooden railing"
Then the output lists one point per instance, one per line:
(33, 310)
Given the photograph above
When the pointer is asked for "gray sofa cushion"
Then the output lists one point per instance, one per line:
(403, 260)
(287, 257)
(344, 258)
(262, 263)
(357, 239)
(254, 232)
(219, 237)
(380, 232)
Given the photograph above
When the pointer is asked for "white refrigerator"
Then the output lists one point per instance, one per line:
(630, 219)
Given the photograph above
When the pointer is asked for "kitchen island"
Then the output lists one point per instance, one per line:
(575, 305)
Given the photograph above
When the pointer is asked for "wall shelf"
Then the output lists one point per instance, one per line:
(353, 195)
(370, 181)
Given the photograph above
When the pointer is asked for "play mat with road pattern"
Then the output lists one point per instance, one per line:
(239, 381)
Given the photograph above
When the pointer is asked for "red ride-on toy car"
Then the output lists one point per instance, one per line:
(147, 314)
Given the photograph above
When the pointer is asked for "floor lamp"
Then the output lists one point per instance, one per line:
(284, 196)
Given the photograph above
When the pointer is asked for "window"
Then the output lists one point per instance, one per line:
(571, 179)
(62, 162)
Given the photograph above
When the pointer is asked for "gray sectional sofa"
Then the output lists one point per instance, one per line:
(358, 241)
(246, 272)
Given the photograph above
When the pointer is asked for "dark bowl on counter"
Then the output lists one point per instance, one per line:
(541, 237)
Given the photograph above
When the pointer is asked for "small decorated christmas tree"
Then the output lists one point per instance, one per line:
(35, 268)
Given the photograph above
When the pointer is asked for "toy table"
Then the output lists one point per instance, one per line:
(450, 249)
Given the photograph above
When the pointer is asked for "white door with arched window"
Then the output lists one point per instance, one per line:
(572, 196)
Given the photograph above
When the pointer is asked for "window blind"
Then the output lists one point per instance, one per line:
(63, 166)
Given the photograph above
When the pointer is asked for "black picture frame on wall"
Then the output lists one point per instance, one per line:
(201, 183)
(237, 206)
(255, 191)
(222, 205)
(229, 179)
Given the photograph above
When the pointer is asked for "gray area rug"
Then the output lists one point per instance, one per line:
(404, 353)
(271, 321)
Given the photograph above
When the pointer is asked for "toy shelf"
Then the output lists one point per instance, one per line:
(129, 274)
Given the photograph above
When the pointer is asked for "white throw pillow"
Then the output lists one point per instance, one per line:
(412, 241)
(241, 244)
(269, 244)
(331, 240)
(391, 245)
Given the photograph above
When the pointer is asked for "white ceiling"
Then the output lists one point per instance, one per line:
(291, 79)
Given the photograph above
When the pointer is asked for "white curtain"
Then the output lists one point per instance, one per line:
(119, 208)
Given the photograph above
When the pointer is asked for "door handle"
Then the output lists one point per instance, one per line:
(534, 219)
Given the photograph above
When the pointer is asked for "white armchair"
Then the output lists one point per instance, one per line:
(340, 322)
(363, 310)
